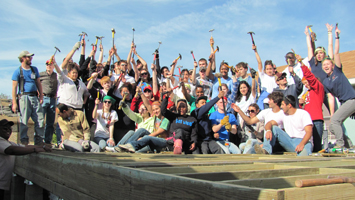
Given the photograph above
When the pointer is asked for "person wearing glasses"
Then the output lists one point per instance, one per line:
(106, 118)
(251, 134)
(296, 134)
(125, 78)
(337, 85)
(272, 113)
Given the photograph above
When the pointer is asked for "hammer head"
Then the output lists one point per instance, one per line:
(133, 29)
(251, 33)
(211, 30)
(113, 30)
(80, 34)
(218, 75)
(180, 57)
(97, 37)
(217, 48)
(159, 42)
(101, 37)
(57, 49)
(92, 44)
(192, 52)
(179, 66)
(84, 33)
(309, 26)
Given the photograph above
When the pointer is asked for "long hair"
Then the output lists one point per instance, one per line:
(239, 95)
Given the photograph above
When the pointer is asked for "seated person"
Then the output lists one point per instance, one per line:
(251, 134)
(76, 130)
(7, 150)
(106, 118)
(224, 123)
(298, 130)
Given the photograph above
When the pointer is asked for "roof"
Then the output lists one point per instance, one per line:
(347, 59)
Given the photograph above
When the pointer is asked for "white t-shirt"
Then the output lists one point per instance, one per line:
(298, 71)
(129, 79)
(268, 84)
(7, 163)
(101, 129)
(207, 86)
(244, 105)
(178, 91)
(267, 115)
(294, 124)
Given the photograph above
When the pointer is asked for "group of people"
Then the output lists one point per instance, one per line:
(124, 106)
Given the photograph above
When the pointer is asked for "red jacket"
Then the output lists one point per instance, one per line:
(137, 101)
(314, 99)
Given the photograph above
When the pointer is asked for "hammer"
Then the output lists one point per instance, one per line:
(133, 34)
(159, 45)
(251, 35)
(217, 49)
(218, 76)
(101, 39)
(176, 59)
(211, 35)
(309, 27)
(193, 55)
(81, 36)
(93, 46)
(97, 38)
(56, 49)
(179, 67)
(336, 27)
(124, 97)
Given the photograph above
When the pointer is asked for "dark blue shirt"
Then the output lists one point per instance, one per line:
(317, 70)
(338, 85)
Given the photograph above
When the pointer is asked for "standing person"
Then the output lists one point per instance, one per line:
(312, 102)
(337, 85)
(243, 72)
(49, 83)
(76, 130)
(298, 130)
(106, 118)
(294, 69)
(7, 151)
(267, 80)
(26, 77)
(202, 79)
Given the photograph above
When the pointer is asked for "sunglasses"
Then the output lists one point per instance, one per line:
(289, 57)
(147, 91)
(109, 102)
(144, 74)
(123, 65)
(251, 111)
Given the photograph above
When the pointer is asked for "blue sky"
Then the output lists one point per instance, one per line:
(182, 26)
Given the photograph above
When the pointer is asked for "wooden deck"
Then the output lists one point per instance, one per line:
(166, 176)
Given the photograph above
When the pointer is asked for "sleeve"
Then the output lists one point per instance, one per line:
(306, 118)
(86, 92)
(132, 115)
(106, 69)
(85, 126)
(114, 116)
(85, 64)
(165, 112)
(36, 72)
(158, 66)
(81, 60)
(231, 97)
(194, 132)
(135, 103)
(3, 145)
(61, 77)
(16, 75)
(232, 119)
(312, 80)
(192, 100)
(213, 118)
(92, 67)
(261, 116)
(298, 83)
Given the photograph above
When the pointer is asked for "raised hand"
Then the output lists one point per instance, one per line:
(306, 31)
(97, 101)
(253, 47)
(329, 27)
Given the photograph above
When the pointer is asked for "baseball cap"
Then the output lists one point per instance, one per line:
(3, 122)
(25, 53)
(203, 68)
(281, 76)
(148, 87)
(201, 97)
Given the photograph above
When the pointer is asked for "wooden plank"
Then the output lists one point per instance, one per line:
(326, 192)
(251, 174)
(103, 181)
(213, 168)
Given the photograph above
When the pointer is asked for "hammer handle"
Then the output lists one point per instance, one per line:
(215, 51)
(316, 182)
(193, 56)
(80, 38)
(252, 39)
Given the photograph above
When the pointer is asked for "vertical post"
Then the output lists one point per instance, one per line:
(18, 188)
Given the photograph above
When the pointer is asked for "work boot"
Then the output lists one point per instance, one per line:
(178, 146)
(259, 150)
(127, 147)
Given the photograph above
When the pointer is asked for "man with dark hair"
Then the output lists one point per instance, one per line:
(76, 130)
(7, 150)
(293, 68)
(298, 130)
(30, 97)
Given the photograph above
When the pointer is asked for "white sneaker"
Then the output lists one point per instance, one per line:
(110, 149)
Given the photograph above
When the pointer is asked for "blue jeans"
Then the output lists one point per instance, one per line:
(132, 136)
(102, 142)
(152, 142)
(288, 143)
(30, 107)
(317, 135)
(231, 148)
(248, 146)
(49, 105)
(58, 132)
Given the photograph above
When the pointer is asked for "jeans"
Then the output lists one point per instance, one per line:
(102, 142)
(248, 146)
(132, 136)
(211, 147)
(49, 105)
(30, 107)
(317, 135)
(288, 143)
(344, 111)
(153, 142)
(76, 147)
(230, 148)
